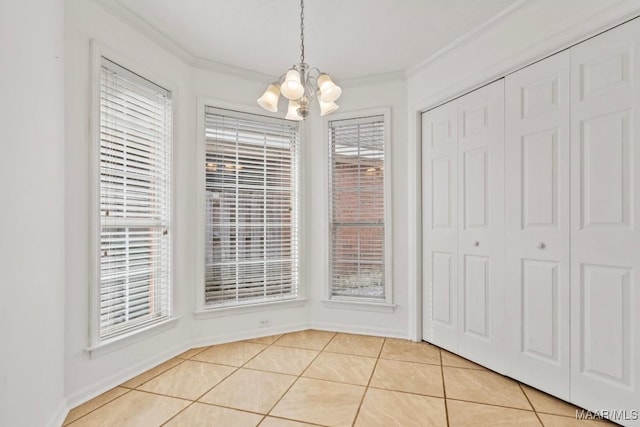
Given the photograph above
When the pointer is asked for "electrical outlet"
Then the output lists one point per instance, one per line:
(265, 323)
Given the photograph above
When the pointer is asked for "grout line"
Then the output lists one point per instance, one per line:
(236, 368)
(230, 407)
(300, 375)
(178, 413)
(490, 404)
(366, 390)
(531, 404)
(444, 389)
(164, 395)
(201, 349)
(98, 407)
(291, 419)
(181, 361)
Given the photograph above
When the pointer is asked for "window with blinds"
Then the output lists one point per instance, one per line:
(251, 251)
(135, 201)
(357, 206)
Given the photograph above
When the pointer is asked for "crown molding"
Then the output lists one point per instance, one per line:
(220, 67)
(470, 35)
(392, 76)
(139, 24)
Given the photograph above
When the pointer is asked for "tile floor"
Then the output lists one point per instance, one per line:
(322, 378)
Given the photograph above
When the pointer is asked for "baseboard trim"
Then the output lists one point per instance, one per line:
(250, 334)
(361, 330)
(60, 414)
(87, 393)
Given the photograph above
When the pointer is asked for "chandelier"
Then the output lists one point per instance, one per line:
(300, 85)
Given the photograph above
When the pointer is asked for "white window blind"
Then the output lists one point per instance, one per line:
(251, 208)
(356, 195)
(135, 201)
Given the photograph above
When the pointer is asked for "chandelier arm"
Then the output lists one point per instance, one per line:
(316, 70)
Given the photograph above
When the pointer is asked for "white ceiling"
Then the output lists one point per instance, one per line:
(348, 38)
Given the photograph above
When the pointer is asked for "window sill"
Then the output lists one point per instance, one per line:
(233, 310)
(130, 337)
(345, 304)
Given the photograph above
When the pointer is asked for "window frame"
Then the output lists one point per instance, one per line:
(98, 346)
(361, 303)
(203, 310)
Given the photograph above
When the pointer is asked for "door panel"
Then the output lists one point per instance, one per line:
(540, 310)
(605, 178)
(476, 296)
(606, 323)
(481, 235)
(475, 177)
(539, 175)
(442, 279)
(605, 206)
(537, 285)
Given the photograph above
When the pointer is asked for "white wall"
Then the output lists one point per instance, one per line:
(32, 214)
(391, 94)
(538, 30)
(86, 376)
(85, 20)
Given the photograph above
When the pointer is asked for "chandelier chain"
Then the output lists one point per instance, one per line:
(301, 31)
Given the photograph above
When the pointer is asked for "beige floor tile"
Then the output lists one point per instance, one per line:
(464, 414)
(542, 402)
(265, 340)
(320, 402)
(279, 422)
(233, 354)
(408, 376)
(202, 415)
(188, 380)
(341, 368)
(191, 352)
(391, 408)
(151, 373)
(483, 387)
(309, 339)
(94, 404)
(450, 359)
(134, 409)
(250, 390)
(358, 345)
(549, 420)
(284, 360)
(410, 351)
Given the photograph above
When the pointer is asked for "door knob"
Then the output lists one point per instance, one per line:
(541, 245)
(476, 243)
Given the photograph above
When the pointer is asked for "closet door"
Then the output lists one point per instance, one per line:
(481, 225)
(605, 206)
(537, 224)
(440, 225)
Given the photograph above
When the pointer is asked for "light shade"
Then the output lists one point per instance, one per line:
(329, 91)
(270, 97)
(292, 112)
(292, 87)
(327, 107)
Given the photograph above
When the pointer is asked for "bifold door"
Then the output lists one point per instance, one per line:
(463, 155)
